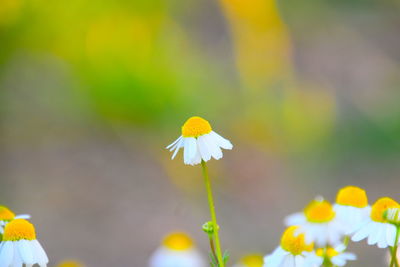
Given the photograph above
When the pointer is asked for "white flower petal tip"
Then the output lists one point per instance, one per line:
(199, 142)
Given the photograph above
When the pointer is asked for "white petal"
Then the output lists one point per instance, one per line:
(204, 148)
(6, 253)
(25, 251)
(222, 142)
(40, 254)
(295, 219)
(177, 147)
(23, 216)
(190, 149)
(175, 142)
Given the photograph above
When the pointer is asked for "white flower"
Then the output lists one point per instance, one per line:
(351, 207)
(319, 223)
(19, 246)
(199, 142)
(177, 250)
(336, 255)
(6, 215)
(375, 227)
(293, 252)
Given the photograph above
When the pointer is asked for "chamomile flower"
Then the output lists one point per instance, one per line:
(319, 223)
(177, 250)
(199, 142)
(70, 263)
(294, 251)
(19, 246)
(351, 206)
(6, 215)
(250, 260)
(337, 256)
(376, 227)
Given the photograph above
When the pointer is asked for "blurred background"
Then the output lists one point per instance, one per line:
(91, 92)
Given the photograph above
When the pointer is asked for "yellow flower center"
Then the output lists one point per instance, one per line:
(178, 241)
(70, 263)
(379, 208)
(295, 244)
(252, 260)
(352, 196)
(6, 214)
(19, 229)
(329, 252)
(195, 127)
(319, 211)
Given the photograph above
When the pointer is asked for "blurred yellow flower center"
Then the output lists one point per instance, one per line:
(380, 206)
(319, 211)
(19, 229)
(329, 252)
(6, 214)
(70, 263)
(195, 127)
(252, 260)
(294, 243)
(352, 196)
(178, 241)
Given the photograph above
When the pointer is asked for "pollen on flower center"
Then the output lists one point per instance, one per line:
(252, 260)
(19, 229)
(293, 243)
(319, 211)
(195, 127)
(6, 214)
(380, 206)
(352, 196)
(178, 241)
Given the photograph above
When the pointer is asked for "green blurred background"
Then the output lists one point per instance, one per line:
(91, 92)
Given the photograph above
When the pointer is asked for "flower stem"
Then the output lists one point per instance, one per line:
(213, 215)
(394, 262)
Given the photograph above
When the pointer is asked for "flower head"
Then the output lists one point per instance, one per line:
(294, 251)
(20, 246)
(199, 142)
(336, 255)
(318, 222)
(376, 226)
(351, 206)
(70, 263)
(177, 250)
(6, 215)
(251, 260)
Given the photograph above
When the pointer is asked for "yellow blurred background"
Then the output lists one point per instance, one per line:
(91, 92)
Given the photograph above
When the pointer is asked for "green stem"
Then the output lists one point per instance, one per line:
(213, 215)
(346, 240)
(394, 262)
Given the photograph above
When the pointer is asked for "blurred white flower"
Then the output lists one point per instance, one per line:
(375, 227)
(177, 250)
(294, 251)
(351, 207)
(319, 223)
(336, 255)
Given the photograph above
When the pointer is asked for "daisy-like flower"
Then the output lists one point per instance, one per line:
(70, 263)
(19, 246)
(177, 250)
(6, 215)
(336, 255)
(294, 251)
(319, 223)
(351, 206)
(251, 260)
(376, 227)
(199, 142)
